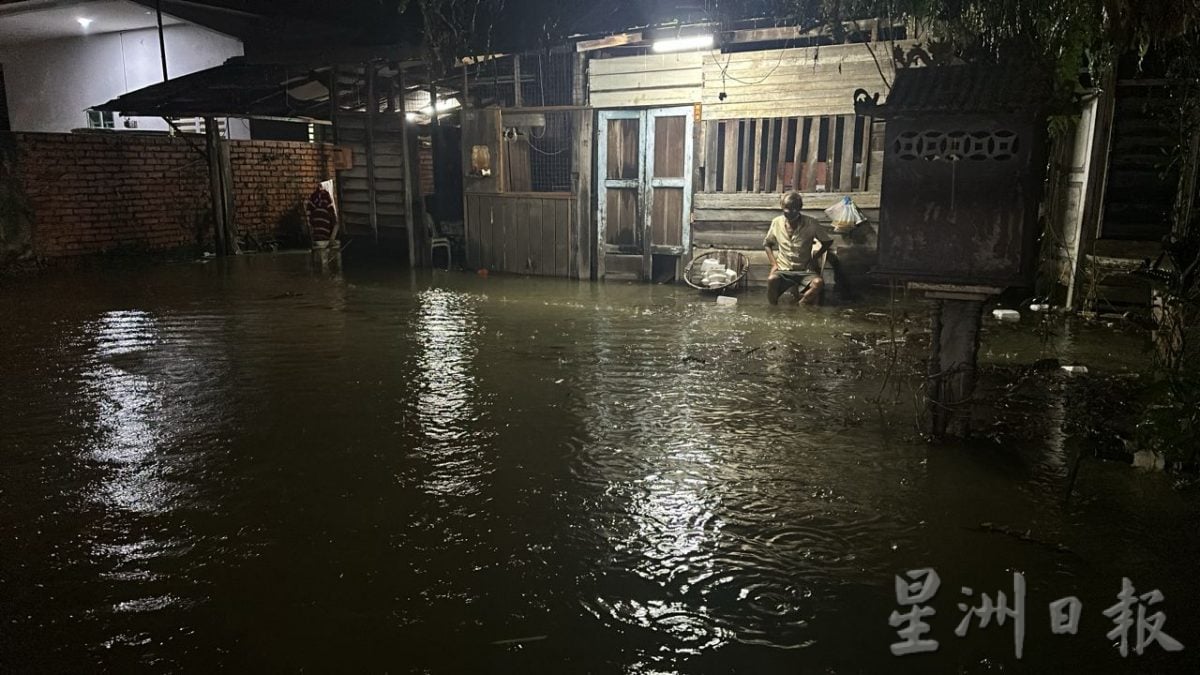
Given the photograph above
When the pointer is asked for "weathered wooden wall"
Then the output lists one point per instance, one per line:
(797, 82)
(645, 81)
(525, 233)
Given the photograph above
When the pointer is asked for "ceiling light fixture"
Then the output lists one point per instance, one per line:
(680, 44)
(84, 22)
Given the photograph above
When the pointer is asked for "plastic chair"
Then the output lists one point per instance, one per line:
(436, 241)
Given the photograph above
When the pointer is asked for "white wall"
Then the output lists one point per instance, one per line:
(51, 83)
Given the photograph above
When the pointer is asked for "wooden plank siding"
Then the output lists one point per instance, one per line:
(646, 80)
(802, 82)
(520, 234)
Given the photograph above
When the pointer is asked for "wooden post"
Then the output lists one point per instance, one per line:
(231, 240)
(517, 81)
(333, 100)
(372, 110)
(217, 201)
(954, 350)
(409, 221)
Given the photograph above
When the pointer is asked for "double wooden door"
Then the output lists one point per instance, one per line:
(644, 188)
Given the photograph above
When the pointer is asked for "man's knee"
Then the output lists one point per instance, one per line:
(817, 283)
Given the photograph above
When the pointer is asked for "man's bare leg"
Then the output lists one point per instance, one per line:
(813, 293)
(774, 289)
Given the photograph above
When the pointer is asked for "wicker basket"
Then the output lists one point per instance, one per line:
(729, 260)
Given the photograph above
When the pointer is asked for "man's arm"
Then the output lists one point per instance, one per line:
(821, 238)
(769, 245)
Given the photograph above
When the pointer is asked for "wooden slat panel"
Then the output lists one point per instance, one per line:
(485, 233)
(546, 245)
(798, 157)
(623, 149)
(668, 146)
(622, 217)
(645, 80)
(649, 62)
(760, 132)
(810, 162)
(472, 231)
(768, 159)
(562, 238)
(511, 259)
(746, 184)
(846, 158)
(729, 180)
(650, 79)
(718, 201)
(667, 217)
(806, 81)
(781, 157)
(519, 176)
(622, 267)
(710, 156)
(534, 241)
(497, 234)
(521, 208)
(647, 97)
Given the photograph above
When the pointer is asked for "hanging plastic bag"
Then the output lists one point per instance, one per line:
(844, 215)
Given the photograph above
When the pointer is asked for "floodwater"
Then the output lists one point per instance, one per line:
(259, 465)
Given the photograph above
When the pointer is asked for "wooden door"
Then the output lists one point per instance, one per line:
(669, 174)
(643, 188)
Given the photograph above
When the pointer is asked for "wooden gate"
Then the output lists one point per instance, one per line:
(644, 189)
(372, 194)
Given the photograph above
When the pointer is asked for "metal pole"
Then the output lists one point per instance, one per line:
(162, 43)
(410, 222)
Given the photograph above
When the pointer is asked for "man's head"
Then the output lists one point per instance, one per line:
(791, 203)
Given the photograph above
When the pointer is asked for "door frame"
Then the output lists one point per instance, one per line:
(645, 183)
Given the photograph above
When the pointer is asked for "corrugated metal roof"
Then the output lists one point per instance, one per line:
(241, 88)
(965, 89)
(233, 89)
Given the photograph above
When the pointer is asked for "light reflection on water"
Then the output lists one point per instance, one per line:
(256, 466)
(128, 409)
(448, 396)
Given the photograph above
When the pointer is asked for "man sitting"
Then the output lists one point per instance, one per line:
(789, 245)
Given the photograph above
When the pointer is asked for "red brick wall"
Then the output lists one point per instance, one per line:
(92, 193)
(272, 179)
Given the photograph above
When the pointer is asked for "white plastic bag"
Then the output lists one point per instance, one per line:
(844, 214)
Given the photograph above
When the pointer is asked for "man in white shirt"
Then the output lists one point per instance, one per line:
(789, 245)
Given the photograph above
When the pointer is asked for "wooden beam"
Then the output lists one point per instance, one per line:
(409, 221)
(609, 41)
(781, 161)
(371, 110)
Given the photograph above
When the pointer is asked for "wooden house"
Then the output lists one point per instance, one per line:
(607, 159)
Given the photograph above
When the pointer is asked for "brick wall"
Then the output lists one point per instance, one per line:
(271, 181)
(95, 193)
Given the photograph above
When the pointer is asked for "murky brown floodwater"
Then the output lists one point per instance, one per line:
(259, 466)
